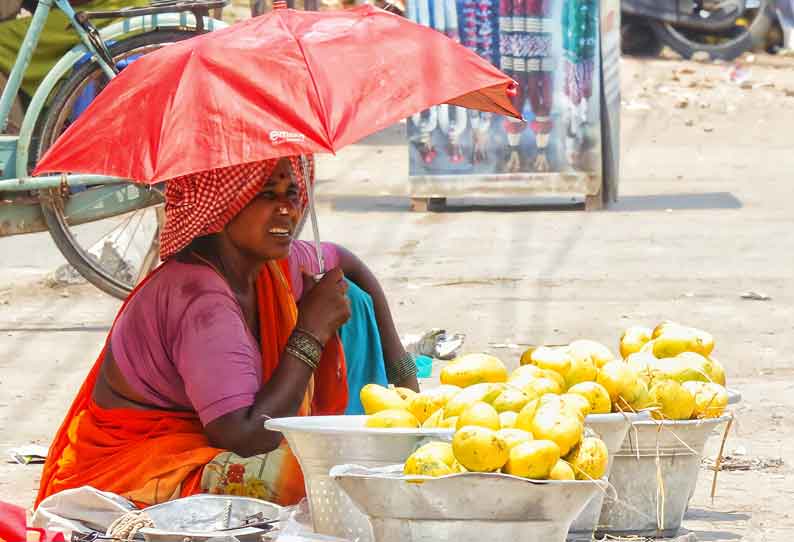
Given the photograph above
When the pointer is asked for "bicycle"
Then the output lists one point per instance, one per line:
(77, 208)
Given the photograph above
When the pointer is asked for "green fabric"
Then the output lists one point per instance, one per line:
(56, 40)
(579, 27)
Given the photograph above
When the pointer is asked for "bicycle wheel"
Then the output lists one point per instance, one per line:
(108, 233)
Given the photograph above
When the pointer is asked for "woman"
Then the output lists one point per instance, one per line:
(206, 349)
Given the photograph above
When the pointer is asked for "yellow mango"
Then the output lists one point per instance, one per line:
(541, 386)
(642, 363)
(507, 419)
(432, 459)
(597, 352)
(553, 422)
(711, 399)
(441, 450)
(511, 399)
(512, 437)
(638, 396)
(633, 339)
(675, 340)
(526, 415)
(425, 465)
(684, 367)
(524, 374)
(434, 420)
(424, 405)
(449, 423)
(405, 393)
(673, 401)
(526, 356)
(388, 419)
(589, 459)
(562, 471)
(717, 372)
(556, 377)
(473, 369)
(583, 368)
(466, 397)
(659, 329)
(553, 359)
(479, 414)
(534, 459)
(616, 377)
(596, 394)
(576, 403)
(479, 449)
(375, 398)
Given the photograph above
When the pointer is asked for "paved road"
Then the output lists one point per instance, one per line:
(705, 215)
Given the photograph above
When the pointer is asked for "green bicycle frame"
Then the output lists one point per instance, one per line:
(29, 46)
(17, 148)
(115, 31)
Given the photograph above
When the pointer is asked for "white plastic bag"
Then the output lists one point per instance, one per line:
(295, 525)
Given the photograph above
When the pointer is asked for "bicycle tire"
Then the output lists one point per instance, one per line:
(727, 50)
(52, 203)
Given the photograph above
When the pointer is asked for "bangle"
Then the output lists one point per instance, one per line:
(305, 347)
(310, 335)
(399, 370)
(301, 356)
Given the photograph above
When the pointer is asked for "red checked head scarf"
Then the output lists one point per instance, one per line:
(203, 203)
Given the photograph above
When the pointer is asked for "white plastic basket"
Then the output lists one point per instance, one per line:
(321, 442)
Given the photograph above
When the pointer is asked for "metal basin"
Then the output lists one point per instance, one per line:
(202, 517)
(468, 507)
(644, 507)
(321, 442)
(612, 429)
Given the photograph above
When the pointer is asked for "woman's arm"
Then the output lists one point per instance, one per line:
(359, 273)
(243, 431)
(323, 309)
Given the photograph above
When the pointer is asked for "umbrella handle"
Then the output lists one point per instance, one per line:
(313, 216)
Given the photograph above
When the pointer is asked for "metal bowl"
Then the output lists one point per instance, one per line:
(468, 507)
(612, 429)
(321, 442)
(734, 397)
(658, 463)
(202, 517)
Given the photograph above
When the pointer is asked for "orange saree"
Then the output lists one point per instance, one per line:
(152, 456)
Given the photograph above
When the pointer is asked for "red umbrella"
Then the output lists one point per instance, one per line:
(286, 83)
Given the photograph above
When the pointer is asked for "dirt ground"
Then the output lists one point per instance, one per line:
(703, 218)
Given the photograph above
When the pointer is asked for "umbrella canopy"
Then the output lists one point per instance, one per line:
(286, 83)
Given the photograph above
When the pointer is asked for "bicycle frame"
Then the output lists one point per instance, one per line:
(15, 150)
(29, 46)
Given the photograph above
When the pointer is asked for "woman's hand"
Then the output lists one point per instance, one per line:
(324, 306)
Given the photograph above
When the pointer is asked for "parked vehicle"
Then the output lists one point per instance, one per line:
(723, 29)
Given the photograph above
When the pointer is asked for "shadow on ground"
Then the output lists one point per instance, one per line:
(660, 202)
(716, 536)
(677, 202)
(711, 515)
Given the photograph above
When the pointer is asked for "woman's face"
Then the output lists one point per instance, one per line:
(263, 229)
